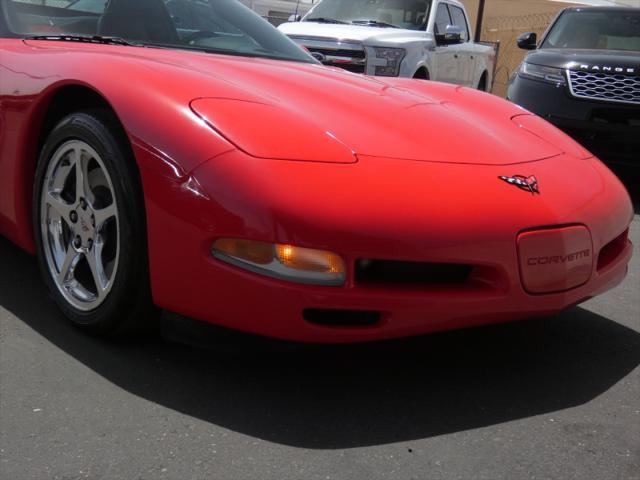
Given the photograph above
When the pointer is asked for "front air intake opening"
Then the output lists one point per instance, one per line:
(612, 250)
(390, 272)
(341, 318)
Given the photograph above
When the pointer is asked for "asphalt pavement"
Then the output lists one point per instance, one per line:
(554, 398)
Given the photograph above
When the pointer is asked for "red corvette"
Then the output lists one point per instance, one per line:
(185, 155)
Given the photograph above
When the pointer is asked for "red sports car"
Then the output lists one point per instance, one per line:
(184, 155)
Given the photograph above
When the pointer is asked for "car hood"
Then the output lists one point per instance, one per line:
(299, 111)
(566, 58)
(390, 123)
(357, 33)
(310, 112)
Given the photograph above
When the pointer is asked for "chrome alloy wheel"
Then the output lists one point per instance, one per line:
(79, 225)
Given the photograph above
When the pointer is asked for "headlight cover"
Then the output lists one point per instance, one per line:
(393, 56)
(286, 262)
(542, 73)
(268, 130)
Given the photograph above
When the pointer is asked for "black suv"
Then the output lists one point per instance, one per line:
(584, 77)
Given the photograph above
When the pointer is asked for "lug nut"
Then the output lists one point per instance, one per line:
(83, 204)
(73, 216)
(89, 244)
(77, 242)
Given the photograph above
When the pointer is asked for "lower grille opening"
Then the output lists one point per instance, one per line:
(616, 116)
(608, 147)
(391, 272)
(612, 136)
(612, 250)
(341, 318)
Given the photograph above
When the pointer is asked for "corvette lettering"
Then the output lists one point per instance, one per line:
(607, 69)
(555, 259)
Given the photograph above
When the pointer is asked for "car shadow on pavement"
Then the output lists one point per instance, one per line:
(350, 396)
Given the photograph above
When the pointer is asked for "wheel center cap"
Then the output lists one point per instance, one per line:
(84, 226)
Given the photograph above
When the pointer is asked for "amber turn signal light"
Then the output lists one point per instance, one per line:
(287, 262)
(309, 259)
(250, 251)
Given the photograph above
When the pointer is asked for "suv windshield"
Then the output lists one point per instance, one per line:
(596, 30)
(218, 26)
(409, 14)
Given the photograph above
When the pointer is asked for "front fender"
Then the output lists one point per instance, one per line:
(419, 58)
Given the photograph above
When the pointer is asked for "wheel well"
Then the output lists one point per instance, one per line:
(483, 80)
(422, 74)
(68, 100)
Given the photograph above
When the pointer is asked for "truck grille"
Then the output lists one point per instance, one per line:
(605, 86)
(347, 55)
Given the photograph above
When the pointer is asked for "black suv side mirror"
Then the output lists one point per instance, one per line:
(452, 36)
(528, 41)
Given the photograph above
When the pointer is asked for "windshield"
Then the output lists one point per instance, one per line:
(218, 26)
(603, 30)
(409, 14)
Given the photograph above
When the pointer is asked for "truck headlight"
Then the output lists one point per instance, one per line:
(286, 262)
(540, 72)
(393, 56)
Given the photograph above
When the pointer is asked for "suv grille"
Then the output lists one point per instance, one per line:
(605, 86)
(347, 55)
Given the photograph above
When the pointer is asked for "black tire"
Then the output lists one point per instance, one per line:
(482, 85)
(422, 74)
(127, 308)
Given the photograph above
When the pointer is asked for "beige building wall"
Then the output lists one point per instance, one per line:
(504, 21)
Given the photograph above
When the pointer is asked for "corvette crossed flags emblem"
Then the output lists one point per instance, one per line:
(528, 184)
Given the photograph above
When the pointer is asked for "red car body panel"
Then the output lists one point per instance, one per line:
(301, 154)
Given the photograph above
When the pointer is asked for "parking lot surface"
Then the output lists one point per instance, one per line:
(549, 398)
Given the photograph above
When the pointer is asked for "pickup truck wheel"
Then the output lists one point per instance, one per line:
(482, 85)
(422, 74)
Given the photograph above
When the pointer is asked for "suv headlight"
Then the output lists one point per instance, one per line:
(540, 72)
(393, 56)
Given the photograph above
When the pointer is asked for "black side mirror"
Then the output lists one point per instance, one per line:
(452, 36)
(295, 18)
(528, 41)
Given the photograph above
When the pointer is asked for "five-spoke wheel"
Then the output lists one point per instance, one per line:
(79, 221)
(90, 225)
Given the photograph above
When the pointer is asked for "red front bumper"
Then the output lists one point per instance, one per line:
(424, 212)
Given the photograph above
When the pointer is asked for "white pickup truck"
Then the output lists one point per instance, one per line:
(427, 39)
